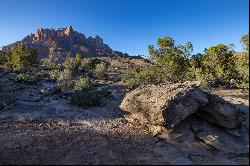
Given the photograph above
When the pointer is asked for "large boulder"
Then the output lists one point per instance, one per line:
(221, 112)
(164, 105)
(169, 104)
(193, 120)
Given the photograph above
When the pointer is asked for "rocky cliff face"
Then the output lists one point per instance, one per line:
(51, 43)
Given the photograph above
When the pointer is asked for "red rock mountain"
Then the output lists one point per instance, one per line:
(51, 43)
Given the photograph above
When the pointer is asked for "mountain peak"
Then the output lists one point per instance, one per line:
(51, 43)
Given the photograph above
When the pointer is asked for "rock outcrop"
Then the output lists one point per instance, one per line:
(186, 113)
(169, 104)
(165, 104)
(55, 44)
(220, 112)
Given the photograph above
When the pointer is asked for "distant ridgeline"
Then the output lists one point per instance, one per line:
(55, 44)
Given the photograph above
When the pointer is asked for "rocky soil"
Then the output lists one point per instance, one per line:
(43, 128)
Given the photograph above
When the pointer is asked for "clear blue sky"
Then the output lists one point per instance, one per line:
(131, 25)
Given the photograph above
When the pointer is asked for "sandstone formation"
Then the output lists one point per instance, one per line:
(55, 44)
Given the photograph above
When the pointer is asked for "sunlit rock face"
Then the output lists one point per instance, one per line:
(51, 43)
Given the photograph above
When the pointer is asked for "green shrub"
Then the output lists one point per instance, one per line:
(90, 98)
(194, 74)
(65, 79)
(73, 65)
(220, 66)
(170, 64)
(54, 74)
(100, 70)
(91, 64)
(174, 57)
(77, 64)
(155, 74)
(67, 64)
(242, 64)
(25, 78)
(50, 64)
(106, 93)
(66, 84)
(22, 57)
(135, 77)
(3, 57)
(82, 84)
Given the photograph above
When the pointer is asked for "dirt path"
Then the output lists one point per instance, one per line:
(49, 143)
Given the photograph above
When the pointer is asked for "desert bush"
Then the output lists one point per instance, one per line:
(67, 64)
(171, 55)
(50, 64)
(90, 98)
(82, 84)
(65, 79)
(242, 64)
(105, 93)
(54, 74)
(31, 76)
(27, 78)
(91, 64)
(194, 74)
(100, 71)
(66, 84)
(22, 57)
(77, 63)
(170, 64)
(42, 74)
(73, 64)
(220, 66)
(219, 61)
(3, 57)
(155, 74)
(135, 77)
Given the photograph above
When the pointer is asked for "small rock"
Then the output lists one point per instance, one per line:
(164, 136)
(154, 129)
(67, 91)
(63, 123)
(49, 89)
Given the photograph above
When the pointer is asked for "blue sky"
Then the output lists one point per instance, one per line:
(131, 25)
